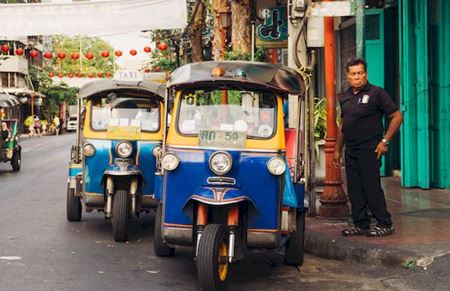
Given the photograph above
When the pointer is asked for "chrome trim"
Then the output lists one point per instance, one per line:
(127, 161)
(263, 239)
(122, 173)
(177, 235)
(228, 149)
(221, 181)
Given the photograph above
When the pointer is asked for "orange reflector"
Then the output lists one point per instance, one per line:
(218, 72)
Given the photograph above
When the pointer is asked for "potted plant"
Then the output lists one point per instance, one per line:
(320, 132)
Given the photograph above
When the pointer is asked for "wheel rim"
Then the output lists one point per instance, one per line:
(223, 262)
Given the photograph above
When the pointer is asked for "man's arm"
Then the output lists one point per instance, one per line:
(338, 147)
(396, 120)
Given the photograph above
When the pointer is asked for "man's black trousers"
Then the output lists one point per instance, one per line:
(364, 187)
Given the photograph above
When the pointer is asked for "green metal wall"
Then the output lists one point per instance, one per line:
(424, 90)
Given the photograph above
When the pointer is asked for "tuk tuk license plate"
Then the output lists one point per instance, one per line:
(221, 138)
(123, 132)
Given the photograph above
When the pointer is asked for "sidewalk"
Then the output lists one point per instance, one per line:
(421, 219)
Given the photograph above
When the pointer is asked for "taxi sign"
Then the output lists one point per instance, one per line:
(128, 76)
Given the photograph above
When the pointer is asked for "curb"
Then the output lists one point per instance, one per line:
(341, 249)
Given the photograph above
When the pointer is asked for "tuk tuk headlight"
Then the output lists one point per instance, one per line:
(88, 150)
(124, 149)
(169, 161)
(220, 163)
(276, 166)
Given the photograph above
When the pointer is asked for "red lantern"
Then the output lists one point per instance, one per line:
(5, 48)
(147, 70)
(19, 51)
(70, 75)
(51, 75)
(105, 54)
(89, 56)
(147, 49)
(61, 55)
(60, 75)
(162, 46)
(79, 75)
(108, 74)
(33, 53)
(75, 56)
(118, 53)
(133, 52)
(90, 75)
(48, 55)
(157, 69)
(100, 75)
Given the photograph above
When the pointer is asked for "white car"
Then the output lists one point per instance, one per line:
(72, 123)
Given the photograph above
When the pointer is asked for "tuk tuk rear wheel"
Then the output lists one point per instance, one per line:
(295, 246)
(213, 268)
(73, 207)
(159, 246)
(16, 161)
(120, 216)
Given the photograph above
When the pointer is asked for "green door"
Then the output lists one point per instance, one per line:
(414, 87)
(380, 56)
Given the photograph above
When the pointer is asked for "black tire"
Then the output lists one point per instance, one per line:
(159, 246)
(295, 246)
(120, 216)
(73, 203)
(213, 269)
(16, 161)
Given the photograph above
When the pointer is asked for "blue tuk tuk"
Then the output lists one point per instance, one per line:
(113, 162)
(224, 182)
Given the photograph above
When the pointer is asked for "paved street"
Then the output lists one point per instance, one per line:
(40, 250)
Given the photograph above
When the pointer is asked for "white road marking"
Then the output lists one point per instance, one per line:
(10, 258)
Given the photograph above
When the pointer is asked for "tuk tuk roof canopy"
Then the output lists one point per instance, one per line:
(99, 86)
(250, 74)
(7, 100)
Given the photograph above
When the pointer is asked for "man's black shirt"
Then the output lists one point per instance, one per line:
(362, 116)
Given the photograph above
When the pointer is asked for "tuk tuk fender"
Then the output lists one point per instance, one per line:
(74, 170)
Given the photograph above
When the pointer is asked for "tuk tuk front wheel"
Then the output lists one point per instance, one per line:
(73, 208)
(213, 268)
(294, 254)
(16, 161)
(120, 216)
(159, 246)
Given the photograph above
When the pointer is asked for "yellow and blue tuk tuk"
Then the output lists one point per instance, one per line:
(113, 161)
(10, 117)
(224, 181)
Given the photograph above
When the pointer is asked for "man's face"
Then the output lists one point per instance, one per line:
(357, 76)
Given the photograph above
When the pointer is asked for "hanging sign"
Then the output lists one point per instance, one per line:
(273, 31)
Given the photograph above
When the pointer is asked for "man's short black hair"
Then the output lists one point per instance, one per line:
(355, 62)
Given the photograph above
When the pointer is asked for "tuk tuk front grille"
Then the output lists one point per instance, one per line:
(221, 181)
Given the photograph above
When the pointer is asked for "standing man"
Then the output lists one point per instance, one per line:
(363, 107)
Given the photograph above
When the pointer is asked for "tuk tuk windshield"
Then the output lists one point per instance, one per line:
(142, 113)
(249, 112)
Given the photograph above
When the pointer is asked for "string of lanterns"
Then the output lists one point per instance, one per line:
(75, 56)
(33, 53)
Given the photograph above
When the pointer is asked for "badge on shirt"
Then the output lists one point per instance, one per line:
(365, 99)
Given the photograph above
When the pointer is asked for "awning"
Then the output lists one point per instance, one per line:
(91, 18)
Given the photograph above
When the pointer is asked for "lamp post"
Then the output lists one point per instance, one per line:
(224, 23)
(333, 200)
